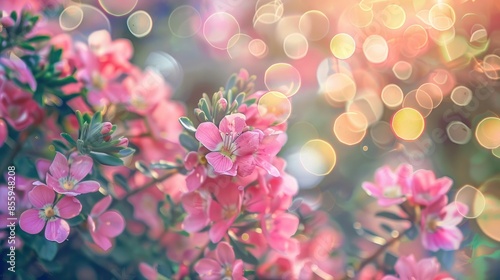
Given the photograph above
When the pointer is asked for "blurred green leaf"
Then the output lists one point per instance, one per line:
(390, 215)
(106, 159)
(188, 142)
(187, 124)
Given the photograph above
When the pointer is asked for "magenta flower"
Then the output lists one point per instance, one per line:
(49, 213)
(439, 225)
(65, 177)
(222, 264)
(104, 225)
(390, 188)
(424, 269)
(228, 144)
(426, 189)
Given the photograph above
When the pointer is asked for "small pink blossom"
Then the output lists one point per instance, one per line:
(439, 225)
(228, 144)
(196, 205)
(104, 225)
(17, 106)
(49, 214)
(426, 189)
(278, 229)
(224, 210)
(195, 163)
(65, 177)
(390, 187)
(221, 264)
(424, 269)
(3, 132)
(21, 71)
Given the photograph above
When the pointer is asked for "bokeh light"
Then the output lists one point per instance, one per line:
(458, 132)
(474, 200)
(367, 103)
(496, 152)
(219, 28)
(393, 16)
(82, 20)
(491, 66)
(282, 77)
(314, 25)
(381, 134)
(432, 91)
(423, 104)
(408, 124)
(184, 21)
(415, 39)
(376, 49)
(257, 48)
(360, 15)
(489, 219)
(274, 105)
(295, 46)
(140, 24)
(441, 16)
(318, 157)
(118, 8)
(167, 66)
(350, 128)
(342, 46)
(488, 133)
(339, 87)
(392, 95)
(237, 46)
(402, 70)
(70, 18)
(268, 13)
(461, 95)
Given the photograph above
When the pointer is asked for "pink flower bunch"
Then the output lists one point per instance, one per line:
(421, 190)
(425, 269)
(220, 264)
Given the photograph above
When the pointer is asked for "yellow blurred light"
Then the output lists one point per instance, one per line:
(282, 77)
(375, 49)
(350, 128)
(318, 157)
(295, 46)
(342, 46)
(339, 87)
(276, 105)
(393, 16)
(408, 124)
(488, 133)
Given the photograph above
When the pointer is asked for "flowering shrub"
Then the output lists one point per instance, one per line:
(125, 182)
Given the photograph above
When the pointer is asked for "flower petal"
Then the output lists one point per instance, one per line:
(225, 254)
(57, 230)
(234, 123)
(69, 207)
(218, 230)
(80, 167)
(209, 135)
(87, 187)
(101, 240)
(219, 162)
(31, 222)
(111, 224)
(59, 167)
(208, 268)
(41, 195)
(101, 206)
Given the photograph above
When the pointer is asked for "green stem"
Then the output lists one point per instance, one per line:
(9, 158)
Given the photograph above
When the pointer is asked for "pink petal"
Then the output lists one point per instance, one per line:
(427, 268)
(247, 143)
(101, 240)
(69, 207)
(80, 167)
(215, 211)
(238, 270)
(384, 176)
(234, 123)
(91, 224)
(191, 160)
(148, 271)
(287, 224)
(267, 166)
(41, 195)
(218, 230)
(372, 189)
(195, 222)
(57, 230)
(101, 206)
(209, 135)
(3, 132)
(31, 222)
(111, 224)
(453, 214)
(87, 187)
(225, 254)
(59, 167)
(207, 267)
(56, 185)
(219, 162)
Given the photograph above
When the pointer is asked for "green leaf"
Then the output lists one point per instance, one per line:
(68, 138)
(203, 105)
(27, 46)
(106, 159)
(188, 142)
(37, 39)
(412, 232)
(187, 124)
(242, 253)
(55, 55)
(45, 249)
(390, 215)
(121, 181)
(250, 101)
(143, 168)
(60, 146)
(239, 98)
(390, 259)
(162, 164)
(386, 228)
(61, 82)
(126, 152)
(76, 220)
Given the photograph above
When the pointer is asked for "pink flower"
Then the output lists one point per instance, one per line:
(21, 71)
(49, 213)
(439, 225)
(17, 106)
(390, 187)
(197, 173)
(104, 225)
(64, 177)
(269, 145)
(424, 269)
(195, 204)
(3, 132)
(148, 272)
(278, 229)
(224, 210)
(426, 189)
(220, 265)
(228, 144)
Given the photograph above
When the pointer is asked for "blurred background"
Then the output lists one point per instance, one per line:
(361, 83)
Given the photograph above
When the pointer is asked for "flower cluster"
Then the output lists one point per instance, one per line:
(423, 197)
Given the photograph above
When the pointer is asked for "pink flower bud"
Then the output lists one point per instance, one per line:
(7, 21)
(223, 103)
(106, 128)
(123, 142)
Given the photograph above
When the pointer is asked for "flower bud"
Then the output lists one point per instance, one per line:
(7, 21)
(123, 142)
(106, 128)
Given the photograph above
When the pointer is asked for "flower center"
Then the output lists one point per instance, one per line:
(202, 160)
(228, 146)
(98, 81)
(230, 211)
(228, 273)
(392, 192)
(49, 212)
(68, 184)
(432, 224)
